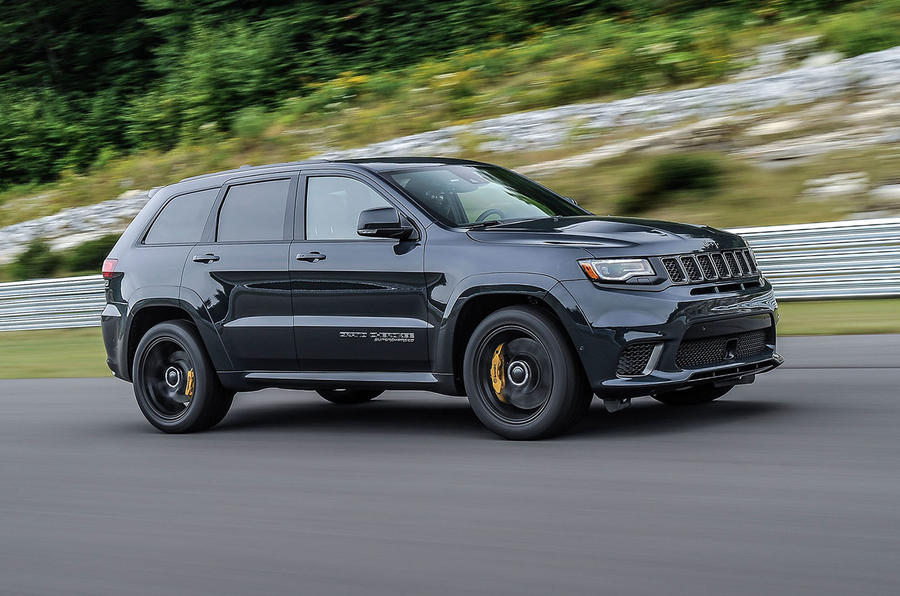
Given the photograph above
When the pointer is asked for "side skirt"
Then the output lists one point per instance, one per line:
(311, 380)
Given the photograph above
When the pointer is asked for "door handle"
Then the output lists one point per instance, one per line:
(311, 257)
(207, 258)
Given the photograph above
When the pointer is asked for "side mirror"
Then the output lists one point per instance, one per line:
(385, 222)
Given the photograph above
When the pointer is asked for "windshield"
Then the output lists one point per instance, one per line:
(468, 195)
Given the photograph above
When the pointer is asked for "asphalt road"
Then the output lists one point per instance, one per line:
(787, 486)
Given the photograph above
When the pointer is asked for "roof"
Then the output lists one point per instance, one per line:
(375, 164)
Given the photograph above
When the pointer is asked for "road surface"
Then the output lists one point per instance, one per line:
(787, 486)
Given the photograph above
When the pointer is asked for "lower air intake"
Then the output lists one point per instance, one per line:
(634, 359)
(710, 351)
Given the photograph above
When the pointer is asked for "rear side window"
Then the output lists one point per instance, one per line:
(254, 212)
(183, 218)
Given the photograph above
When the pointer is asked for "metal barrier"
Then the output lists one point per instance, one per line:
(848, 259)
(52, 303)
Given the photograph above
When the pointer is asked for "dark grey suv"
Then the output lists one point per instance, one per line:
(458, 277)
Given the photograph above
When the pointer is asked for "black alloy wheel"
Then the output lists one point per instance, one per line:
(521, 376)
(174, 383)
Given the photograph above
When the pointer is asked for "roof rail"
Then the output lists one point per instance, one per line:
(245, 168)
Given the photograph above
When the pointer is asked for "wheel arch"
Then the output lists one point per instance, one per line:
(144, 315)
(481, 297)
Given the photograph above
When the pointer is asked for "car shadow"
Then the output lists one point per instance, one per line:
(647, 417)
(381, 416)
(452, 416)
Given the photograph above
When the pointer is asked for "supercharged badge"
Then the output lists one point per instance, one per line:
(379, 336)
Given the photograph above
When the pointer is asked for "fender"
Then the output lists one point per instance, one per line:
(169, 297)
(532, 285)
(209, 331)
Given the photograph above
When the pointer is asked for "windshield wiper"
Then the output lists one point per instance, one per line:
(480, 225)
(484, 224)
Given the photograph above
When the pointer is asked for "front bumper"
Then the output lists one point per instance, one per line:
(611, 320)
(659, 380)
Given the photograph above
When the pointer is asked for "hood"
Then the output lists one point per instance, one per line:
(603, 235)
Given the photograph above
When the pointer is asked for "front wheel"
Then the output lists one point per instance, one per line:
(174, 382)
(521, 375)
(692, 396)
(346, 397)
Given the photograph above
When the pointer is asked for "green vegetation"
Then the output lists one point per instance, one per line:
(839, 317)
(872, 28)
(39, 261)
(84, 85)
(746, 194)
(79, 352)
(90, 255)
(52, 353)
(661, 178)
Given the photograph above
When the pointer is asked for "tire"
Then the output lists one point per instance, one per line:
(692, 396)
(521, 376)
(346, 397)
(169, 357)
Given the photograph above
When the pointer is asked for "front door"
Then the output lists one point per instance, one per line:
(359, 303)
(241, 272)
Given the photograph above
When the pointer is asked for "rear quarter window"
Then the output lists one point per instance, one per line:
(183, 218)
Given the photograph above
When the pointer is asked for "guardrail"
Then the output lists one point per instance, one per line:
(52, 303)
(848, 259)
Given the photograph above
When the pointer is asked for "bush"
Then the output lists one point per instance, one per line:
(90, 255)
(865, 31)
(669, 174)
(37, 261)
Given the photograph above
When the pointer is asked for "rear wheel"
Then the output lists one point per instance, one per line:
(349, 396)
(692, 396)
(174, 382)
(521, 377)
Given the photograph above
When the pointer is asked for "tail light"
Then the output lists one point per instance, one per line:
(109, 268)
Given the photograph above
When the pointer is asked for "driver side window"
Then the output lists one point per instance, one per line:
(333, 205)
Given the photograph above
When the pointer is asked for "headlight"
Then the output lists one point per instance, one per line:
(612, 270)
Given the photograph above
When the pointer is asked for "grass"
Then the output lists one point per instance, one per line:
(840, 317)
(747, 195)
(69, 353)
(52, 354)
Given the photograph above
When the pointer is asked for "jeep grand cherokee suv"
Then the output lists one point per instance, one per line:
(458, 277)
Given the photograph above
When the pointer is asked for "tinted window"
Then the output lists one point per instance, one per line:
(182, 219)
(333, 204)
(254, 212)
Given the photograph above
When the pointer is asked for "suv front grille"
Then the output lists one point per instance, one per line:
(634, 359)
(710, 266)
(709, 351)
(674, 271)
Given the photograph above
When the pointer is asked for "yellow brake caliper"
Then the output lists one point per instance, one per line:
(498, 375)
(189, 386)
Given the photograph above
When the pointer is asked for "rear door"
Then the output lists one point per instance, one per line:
(240, 271)
(359, 303)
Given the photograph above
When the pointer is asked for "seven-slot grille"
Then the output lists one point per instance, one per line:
(710, 266)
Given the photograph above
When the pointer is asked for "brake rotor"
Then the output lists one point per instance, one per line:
(525, 374)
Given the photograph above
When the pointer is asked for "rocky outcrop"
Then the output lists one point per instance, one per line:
(703, 116)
